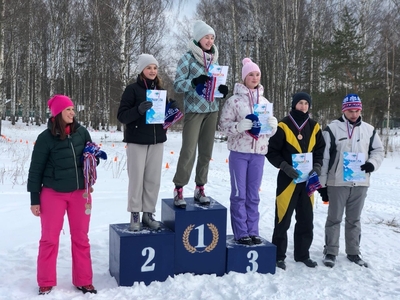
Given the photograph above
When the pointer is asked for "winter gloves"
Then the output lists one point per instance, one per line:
(244, 125)
(273, 123)
(144, 106)
(367, 167)
(316, 169)
(202, 79)
(289, 170)
(173, 104)
(223, 89)
(324, 194)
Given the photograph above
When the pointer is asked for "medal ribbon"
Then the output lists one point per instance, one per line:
(297, 126)
(207, 65)
(350, 129)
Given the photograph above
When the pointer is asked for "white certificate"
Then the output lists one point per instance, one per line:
(303, 164)
(352, 166)
(156, 114)
(220, 73)
(263, 112)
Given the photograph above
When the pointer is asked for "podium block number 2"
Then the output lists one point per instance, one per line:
(252, 256)
(150, 253)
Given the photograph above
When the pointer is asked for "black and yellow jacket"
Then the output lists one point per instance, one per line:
(285, 143)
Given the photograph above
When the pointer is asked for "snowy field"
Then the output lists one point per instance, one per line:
(20, 233)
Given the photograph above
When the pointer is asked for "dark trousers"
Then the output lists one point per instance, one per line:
(303, 230)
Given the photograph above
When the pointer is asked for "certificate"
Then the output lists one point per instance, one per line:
(352, 167)
(303, 164)
(156, 114)
(263, 112)
(219, 73)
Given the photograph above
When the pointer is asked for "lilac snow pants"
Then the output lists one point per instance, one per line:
(246, 172)
(53, 206)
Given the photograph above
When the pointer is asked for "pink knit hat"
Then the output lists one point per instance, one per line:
(58, 103)
(249, 66)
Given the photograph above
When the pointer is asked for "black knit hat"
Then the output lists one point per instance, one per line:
(300, 96)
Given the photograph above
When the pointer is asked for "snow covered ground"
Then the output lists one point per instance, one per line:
(20, 233)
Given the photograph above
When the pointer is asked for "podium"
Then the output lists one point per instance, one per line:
(256, 258)
(143, 256)
(200, 236)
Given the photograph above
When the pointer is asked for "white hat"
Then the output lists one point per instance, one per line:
(145, 60)
(201, 29)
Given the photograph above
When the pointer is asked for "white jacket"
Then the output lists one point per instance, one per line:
(363, 140)
(235, 109)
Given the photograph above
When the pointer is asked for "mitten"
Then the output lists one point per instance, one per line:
(316, 168)
(244, 125)
(223, 89)
(324, 194)
(289, 170)
(144, 106)
(173, 104)
(272, 122)
(367, 167)
(202, 79)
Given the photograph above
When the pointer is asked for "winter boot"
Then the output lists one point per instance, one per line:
(149, 221)
(281, 264)
(135, 222)
(87, 289)
(245, 241)
(329, 260)
(179, 201)
(44, 290)
(357, 260)
(200, 196)
(256, 239)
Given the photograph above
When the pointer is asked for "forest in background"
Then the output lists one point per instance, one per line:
(87, 49)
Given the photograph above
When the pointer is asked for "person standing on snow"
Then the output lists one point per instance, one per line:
(247, 152)
(297, 133)
(56, 182)
(344, 136)
(201, 114)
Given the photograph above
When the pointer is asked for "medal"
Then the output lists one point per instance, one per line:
(88, 208)
(299, 128)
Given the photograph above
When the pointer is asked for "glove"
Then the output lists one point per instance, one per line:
(223, 89)
(144, 106)
(202, 79)
(244, 125)
(173, 104)
(273, 122)
(367, 167)
(324, 194)
(316, 168)
(289, 170)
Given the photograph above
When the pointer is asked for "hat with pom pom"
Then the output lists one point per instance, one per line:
(58, 103)
(248, 67)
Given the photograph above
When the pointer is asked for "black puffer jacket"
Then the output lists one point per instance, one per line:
(137, 131)
(56, 163)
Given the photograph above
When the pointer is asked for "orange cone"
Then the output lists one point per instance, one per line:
(167, 166)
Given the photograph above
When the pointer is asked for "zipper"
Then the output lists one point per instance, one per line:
(76, 166)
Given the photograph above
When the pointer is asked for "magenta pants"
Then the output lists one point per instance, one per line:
(53, 206)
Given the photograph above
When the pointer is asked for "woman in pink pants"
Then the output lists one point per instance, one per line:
(57, 185)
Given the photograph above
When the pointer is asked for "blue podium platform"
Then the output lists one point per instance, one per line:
(256, 258)
(200, 236)
(143, 256)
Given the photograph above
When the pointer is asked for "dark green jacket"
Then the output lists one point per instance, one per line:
(57, 164)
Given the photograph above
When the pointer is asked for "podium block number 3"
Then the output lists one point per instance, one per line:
(150, 253)
(252, 256)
